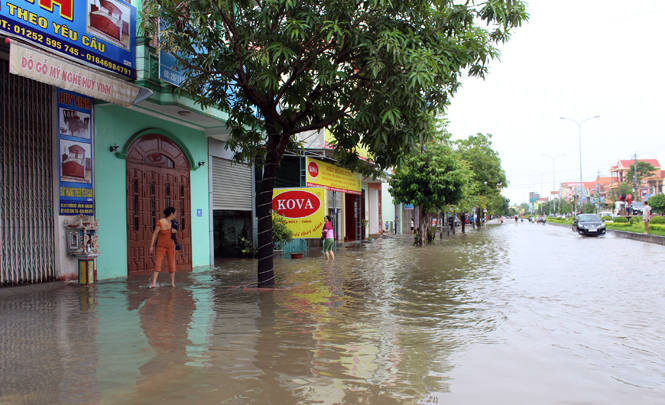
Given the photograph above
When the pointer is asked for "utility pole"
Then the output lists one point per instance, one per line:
(635, 191)
(598, 193)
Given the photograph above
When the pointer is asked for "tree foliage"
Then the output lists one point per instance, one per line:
(370, 70)
(657, 203)
(621, 189)
(433, 178)
(644, 169)
(589, 208)
(488, 176)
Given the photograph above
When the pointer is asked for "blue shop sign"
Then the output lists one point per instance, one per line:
(75, 154)
(168, 71)
(100, 32)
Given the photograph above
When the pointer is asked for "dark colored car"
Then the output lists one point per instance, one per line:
(589, 225)
(636, 208)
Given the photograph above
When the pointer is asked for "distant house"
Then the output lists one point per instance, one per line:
(648, 186)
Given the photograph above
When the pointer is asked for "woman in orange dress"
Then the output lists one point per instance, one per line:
(165, 245)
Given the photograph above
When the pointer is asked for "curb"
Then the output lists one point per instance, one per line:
(656, 239)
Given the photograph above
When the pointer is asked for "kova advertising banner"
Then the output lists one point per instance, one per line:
(303, 209)
(75, 153)
(322, 174)
(100, 32)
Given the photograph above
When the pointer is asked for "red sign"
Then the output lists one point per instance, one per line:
(296, 204)
(313, 169)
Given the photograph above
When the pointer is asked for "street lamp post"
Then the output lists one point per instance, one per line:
(579, 128)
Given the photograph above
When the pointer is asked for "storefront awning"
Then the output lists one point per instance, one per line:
(38, 65)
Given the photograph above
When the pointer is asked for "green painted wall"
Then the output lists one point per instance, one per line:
(115, 125)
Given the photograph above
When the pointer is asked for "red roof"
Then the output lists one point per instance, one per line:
(627, 163)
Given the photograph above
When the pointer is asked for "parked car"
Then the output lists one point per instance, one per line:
(636, 208)
(606, 214)
(589, 225)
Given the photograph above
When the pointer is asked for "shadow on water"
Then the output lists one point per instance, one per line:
(521, 312)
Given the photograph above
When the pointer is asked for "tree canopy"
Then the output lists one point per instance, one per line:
(657, 203)
(432, 178)
(371, 71)
(488, 176)
(644, 169)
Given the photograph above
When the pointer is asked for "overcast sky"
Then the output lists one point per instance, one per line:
(574, 59)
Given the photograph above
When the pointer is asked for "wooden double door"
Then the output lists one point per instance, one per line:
(157, 178)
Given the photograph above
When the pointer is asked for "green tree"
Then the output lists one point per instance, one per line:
(621, 189)
(370, 70)
(564, 207)
(432, 179)
(488, 177)
(498, 206)
(589, 208)
(657, 203)
(644, 169)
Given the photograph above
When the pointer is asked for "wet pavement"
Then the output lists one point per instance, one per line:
(511, 314)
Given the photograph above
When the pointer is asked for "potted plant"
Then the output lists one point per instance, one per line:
(365, 223)
(281, 234)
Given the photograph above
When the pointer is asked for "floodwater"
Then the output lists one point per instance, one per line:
(511, 314)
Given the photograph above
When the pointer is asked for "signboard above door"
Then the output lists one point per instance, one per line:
(99, 32)
(322, 174)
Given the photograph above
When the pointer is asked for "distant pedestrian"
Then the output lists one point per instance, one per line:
(412, 225)
(165, 245)
(328, 236)
(646, 216)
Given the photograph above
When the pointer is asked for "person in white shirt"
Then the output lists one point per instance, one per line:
(646, 216)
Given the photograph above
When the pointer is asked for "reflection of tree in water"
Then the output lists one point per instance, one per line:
(165, 317)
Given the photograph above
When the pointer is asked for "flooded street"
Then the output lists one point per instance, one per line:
(512, 314)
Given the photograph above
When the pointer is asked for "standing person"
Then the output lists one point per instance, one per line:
(328, 235)
(165, 245)
(411, 225)
(646, 216)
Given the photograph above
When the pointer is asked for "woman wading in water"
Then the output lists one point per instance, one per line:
(165, 245)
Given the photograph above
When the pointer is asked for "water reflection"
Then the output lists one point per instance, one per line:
(509, 312)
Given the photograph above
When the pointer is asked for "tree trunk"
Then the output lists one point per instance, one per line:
(478, 219)
(419, 233)
(440, 223)
(463, 221)
(266, 273)
(275, 150)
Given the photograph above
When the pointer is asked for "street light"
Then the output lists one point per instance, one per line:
(553, 182)
(579, 128)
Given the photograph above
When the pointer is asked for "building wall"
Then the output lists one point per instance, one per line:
(115, 125)
(388, 208)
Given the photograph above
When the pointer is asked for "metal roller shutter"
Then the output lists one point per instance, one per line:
(27, 242)
(231, 185)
